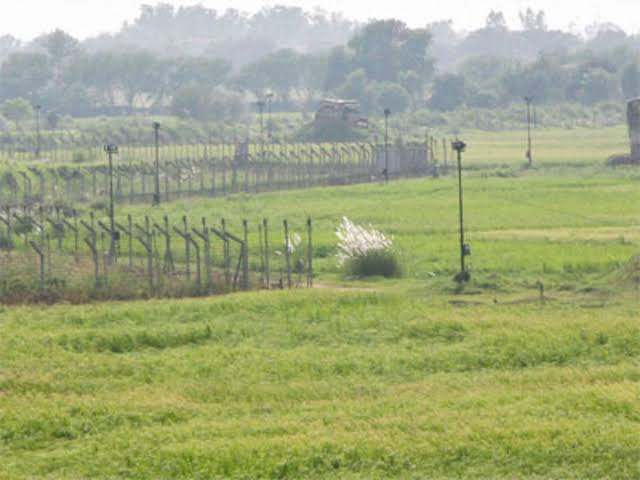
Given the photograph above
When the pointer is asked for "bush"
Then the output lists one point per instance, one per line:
(365, 252)
(79, 157)
(382, 263)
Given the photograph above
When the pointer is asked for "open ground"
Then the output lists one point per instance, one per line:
(408, 378)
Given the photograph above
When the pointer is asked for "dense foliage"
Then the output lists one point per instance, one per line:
(194, 62)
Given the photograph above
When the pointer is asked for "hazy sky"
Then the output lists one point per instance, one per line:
(28, 18)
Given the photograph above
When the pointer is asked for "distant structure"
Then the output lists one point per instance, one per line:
(337, 112)
(633, 121)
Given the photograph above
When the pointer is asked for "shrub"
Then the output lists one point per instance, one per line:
(366, 252)
(382, 263)
(79, 157)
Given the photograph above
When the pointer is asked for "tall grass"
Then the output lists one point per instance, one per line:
(319, 385)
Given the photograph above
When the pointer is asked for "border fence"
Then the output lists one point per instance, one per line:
(55, 254)
(211, 170)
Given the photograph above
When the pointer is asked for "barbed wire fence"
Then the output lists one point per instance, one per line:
(213, 170)
(56, 255)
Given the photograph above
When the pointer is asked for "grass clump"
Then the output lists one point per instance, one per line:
(383, 263)
(366, 252)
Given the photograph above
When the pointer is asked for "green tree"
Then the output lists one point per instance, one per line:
(25, 75)
(99, 73)
(356, 87)
(138, 74)
(203, 102)
(176, 73)
(392, 96)
(282, 71)
(413, 83)
(59, 45)
(339, 65)
(200, 70)
(312, 72)
(191, 101)
(449, 92)
(531, 20)
(386, 48)
(17, 110)
(598, 85)
(496, 21)
(631, 80)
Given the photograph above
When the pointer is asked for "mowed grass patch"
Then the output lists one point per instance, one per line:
(320, 384)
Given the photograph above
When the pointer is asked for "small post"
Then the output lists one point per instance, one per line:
(40, 253)
(76, 231)
(156, 137)
(444, 152)
(48, 251)
(38, 140)
(287, 253)
(204, 236)
(387, 113)
(261, 254)
(265, 225)
(130, 239)
(245, 256)
(529, 100)
(92, 243)
(309, 254)
(226, 253)
(198, 268)
(185, 223)
(111, 150)
(541, 291)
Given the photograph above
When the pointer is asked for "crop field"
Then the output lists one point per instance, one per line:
(409, 377)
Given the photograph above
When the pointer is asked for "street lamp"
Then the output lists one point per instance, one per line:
(38, 108)
(387, 113)
(156, 132)
(459, 146)
(269, 96)
(261, 104)
(111, 151)
(529, 100)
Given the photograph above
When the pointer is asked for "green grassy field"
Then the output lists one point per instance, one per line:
(402, 378)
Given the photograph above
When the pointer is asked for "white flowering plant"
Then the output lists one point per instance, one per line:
(365, 251)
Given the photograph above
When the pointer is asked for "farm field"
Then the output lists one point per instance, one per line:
(404, 378)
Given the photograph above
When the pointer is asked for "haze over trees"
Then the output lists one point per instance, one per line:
(204, 64)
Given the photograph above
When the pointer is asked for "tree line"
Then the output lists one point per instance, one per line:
(382, 64)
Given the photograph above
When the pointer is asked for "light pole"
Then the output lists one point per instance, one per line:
(387, 113)
(269, 97)
(156, 137)
(261, 104)
(459, 146)
(111, 151)
(529, 100)
(38, 108)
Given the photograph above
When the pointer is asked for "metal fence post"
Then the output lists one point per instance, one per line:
(287, 253)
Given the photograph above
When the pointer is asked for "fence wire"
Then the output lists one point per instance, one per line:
(57, 255)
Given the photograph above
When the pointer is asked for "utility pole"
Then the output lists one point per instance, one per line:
(156, 131)
(529, 100)
(387, 113)
(269, 98)
(261, 104)
(38, 108)
(459, 146)
(111, 151)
